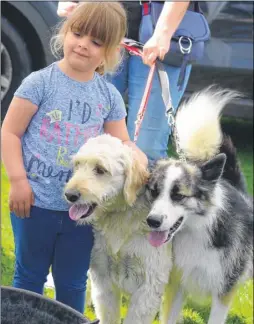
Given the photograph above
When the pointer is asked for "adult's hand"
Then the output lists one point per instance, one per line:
(156, 47)
(65, 8)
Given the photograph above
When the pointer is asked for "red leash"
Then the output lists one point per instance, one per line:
(142, 109)
(136, 49)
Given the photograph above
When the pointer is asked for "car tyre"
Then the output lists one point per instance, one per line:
(15, 63)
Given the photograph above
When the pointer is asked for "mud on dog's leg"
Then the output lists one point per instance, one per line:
(172, 299)
(144, 304)
(220, 307)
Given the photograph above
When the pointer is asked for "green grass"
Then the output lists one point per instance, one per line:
(242, 308)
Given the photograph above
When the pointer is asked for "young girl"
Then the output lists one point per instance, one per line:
(52, 114)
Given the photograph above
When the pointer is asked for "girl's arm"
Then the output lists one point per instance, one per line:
(14, 126)
(171, 16)
(159, 44)
(118, 129)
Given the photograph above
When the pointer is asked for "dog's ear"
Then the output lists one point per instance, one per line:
(136, 177)
(213, 169)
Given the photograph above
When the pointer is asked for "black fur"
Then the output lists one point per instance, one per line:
(156, 180)
(212, 170)
(232, 170)
(225, 228)
(234, 228)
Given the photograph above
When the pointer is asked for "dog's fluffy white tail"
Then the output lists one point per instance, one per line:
(198, 122)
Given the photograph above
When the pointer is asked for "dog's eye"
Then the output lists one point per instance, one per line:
(99, 170)
(154, 191)
(175, 195)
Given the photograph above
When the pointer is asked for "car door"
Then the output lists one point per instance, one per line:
(228, 58)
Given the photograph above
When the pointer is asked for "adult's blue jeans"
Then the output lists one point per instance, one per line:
(50, 238)
(154, 133)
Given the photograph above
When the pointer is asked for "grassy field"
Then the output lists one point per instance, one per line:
(242, 308)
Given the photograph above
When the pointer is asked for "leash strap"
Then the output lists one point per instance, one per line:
(170, 114)
(143, 105)
(136, 49)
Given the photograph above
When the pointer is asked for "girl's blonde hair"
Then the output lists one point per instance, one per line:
(105, 21)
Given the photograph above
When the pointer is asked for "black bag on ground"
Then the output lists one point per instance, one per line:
(19, 306)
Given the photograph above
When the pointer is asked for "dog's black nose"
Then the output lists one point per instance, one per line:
(154, 221)
(72, 195)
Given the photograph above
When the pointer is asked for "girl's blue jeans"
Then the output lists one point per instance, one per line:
(50, 238)
(154, 133)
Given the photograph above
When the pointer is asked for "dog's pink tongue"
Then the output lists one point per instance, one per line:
(77, 211)
(156, 239)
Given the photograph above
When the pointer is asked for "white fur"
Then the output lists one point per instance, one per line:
(197, 122)
(219, 311)
(176, 307)
(163, 206)
(122, 259)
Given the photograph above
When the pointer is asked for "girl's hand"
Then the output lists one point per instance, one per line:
(65, 8)
(156, 46)
(139, 155)
(21, 197)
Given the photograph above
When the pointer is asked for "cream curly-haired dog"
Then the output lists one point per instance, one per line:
(107, 190)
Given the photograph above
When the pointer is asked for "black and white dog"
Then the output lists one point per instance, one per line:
(202, 206)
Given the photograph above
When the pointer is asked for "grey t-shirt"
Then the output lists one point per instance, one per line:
(69, 113)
